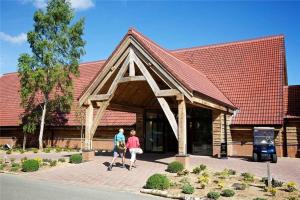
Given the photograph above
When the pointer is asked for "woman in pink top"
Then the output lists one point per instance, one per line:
(133, 145)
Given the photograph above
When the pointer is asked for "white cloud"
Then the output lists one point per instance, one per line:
(75, 4)
(81, 4)
(13, 39)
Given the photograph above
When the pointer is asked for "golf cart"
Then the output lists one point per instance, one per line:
(264, 144)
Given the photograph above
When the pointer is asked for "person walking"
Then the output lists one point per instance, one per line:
(119, 149)
(133, 144)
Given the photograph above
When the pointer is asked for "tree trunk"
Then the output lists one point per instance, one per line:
(42, 126)
(24, 141)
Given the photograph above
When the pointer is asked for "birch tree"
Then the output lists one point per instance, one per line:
(46, 74)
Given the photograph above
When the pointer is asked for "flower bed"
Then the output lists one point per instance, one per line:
(202, 183)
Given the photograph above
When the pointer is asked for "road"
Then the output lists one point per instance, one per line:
(14, 187)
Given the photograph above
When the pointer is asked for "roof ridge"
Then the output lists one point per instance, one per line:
(132, 30)
(228, 43)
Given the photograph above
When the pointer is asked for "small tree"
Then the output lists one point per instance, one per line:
(46, 75)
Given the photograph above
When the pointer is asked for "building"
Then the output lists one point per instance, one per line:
(186, 101)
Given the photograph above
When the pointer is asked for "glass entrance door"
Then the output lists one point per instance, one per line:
(154, 132)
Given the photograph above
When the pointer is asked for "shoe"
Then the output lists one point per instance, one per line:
(109, 168)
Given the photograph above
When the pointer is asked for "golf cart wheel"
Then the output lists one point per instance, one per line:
(255, 157)
(274, 158)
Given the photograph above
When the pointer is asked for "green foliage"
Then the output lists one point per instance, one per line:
(273, 191)
(1, 160)
(57, 47)
(196, 170)
(183, 173)
(202, 167)
(47, 160)
(213, 195)
(228, 193)
(23, 159)
(39, 160)
(58, 149)
(275, 183)
(258, 198)
(61, 160)
(158, 181)
(175, 167)
(47, 150)
(2, 166)
(291, 186)
(248, 177)
(292, 198)
(15, 167)
(76, 158)
(9, 151)
(187, 188)
(53, 163)
(184, 180)
(35, 150)
(12, 160)
(22, 151)
(30, 165)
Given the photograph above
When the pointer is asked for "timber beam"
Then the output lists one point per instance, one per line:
(100, 97)
(132, 78)
(167, 93)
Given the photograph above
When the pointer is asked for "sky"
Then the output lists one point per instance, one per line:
(172, 24)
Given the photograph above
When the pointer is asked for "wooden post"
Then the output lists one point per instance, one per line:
(182, 134)
(88, 126)
(182, 146)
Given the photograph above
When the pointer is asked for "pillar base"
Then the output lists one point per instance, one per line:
(88, 155)
(184, 159)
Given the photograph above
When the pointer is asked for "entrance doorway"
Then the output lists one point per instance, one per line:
(199, 131)
(159, 137)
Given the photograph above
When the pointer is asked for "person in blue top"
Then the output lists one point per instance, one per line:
(119, 149)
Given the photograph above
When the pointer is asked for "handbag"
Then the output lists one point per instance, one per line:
(139, 151)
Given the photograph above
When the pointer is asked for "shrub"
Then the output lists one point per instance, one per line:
(202, 167)
(23, 159)
(9, 151)
(12, 160)
(76, 158)
(213, 195)
(47, 150)
(275, 183)
(188, 189)
(231, 172)
(205, 174)
(47, 160)
(15, 164)
(248, 177)
(61, 160)
(53, 163)
(239, 186)
(221, 184)
(291, 186)
(30, 165)
(228, 193)
(1, 166)
(273, 191)
(258, 198)
(39, 160)
(22, 151)
(203, 180)
(1, 160)
(58, 149)
(196, 170)
(35, 150)
(175, 167)
(158, 181)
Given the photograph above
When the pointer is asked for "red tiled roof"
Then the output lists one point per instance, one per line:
(250, 73)
(191, 78)
(10, 101)
(292, 101)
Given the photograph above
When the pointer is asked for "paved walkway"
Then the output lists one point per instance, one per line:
(94, 173)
